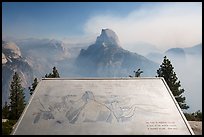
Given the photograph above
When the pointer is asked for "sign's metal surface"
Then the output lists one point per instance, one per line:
(102, 106)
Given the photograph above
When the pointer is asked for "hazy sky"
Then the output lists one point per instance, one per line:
(165, 25)
(161, 24)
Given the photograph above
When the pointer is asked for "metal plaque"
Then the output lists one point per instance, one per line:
(103, 106)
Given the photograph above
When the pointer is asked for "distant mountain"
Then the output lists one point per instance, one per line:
(43, 54)
(176, 51)
(49, 48)
(182, 52)
(34, 58)
(177, 54)
(107, 58)
(195, 50)
(12, 61)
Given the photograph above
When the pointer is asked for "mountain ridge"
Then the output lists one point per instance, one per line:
(108, 58)
(12, 61)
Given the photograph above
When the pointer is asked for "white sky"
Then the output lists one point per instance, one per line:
(166, 25)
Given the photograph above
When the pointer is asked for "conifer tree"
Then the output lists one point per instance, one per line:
(137, 73)
(166, 71)
(54, 74)
(5, 111)
(17, 98)
(35, 83)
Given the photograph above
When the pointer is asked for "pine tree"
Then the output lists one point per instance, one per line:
(46, 76)
(54, 74)
(5, 111)
(17, 98)
(35, 83)
(137, 73)
(166, 71)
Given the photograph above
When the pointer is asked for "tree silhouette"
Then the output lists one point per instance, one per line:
(5, 111)
(17, 98)
(35, 83)
(166, 71)
(137, 73)
(54, 74)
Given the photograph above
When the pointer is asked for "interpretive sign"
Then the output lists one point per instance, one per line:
(103, 106)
